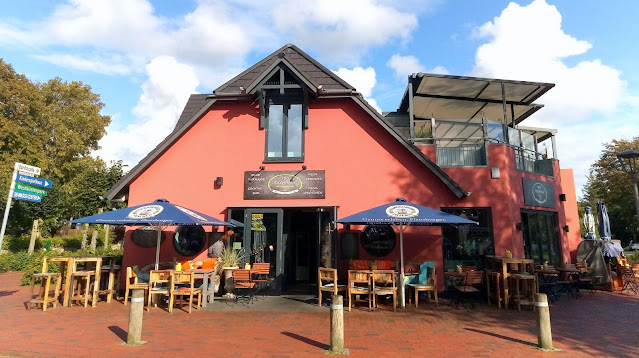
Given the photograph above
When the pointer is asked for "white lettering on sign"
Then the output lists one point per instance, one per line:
(28, 169)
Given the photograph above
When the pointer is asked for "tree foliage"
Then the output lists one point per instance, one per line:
(609, 183)
(55, 126)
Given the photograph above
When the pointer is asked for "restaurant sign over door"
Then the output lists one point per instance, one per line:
(303, 184)
(538, 193)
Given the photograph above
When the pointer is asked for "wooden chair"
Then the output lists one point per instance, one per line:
(630, 278)
(359, 283)
(183, 284)
(384, 285)
(472, 280)
(493, 288)
(429, 285)
(159, 284)
(133, 283)
(260, 276)
(242, 281)
(327, 281)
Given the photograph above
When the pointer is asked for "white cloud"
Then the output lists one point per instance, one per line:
(164, 95)
(363, 79)
(404, 66)
(343, 29)
(97, 65)
(528, 43)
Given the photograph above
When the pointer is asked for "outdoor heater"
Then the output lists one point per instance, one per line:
(629, 160)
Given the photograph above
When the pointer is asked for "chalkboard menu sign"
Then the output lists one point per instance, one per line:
(378, 240)
(303, 184)
(538, 193)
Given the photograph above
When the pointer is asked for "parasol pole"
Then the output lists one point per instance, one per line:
(401, 265)
(157, 247)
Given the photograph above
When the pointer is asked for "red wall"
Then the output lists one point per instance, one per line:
(365, 167)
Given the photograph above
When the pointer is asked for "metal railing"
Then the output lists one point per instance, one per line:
(467, 155)
(530, 161)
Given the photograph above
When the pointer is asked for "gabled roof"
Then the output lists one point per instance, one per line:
(311, 73)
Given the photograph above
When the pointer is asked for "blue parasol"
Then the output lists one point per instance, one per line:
(158, 214)
(604, 221)
(401, 214)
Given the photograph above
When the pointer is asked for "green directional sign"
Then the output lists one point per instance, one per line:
(30, 189)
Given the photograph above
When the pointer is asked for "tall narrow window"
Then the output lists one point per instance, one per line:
(284, 129)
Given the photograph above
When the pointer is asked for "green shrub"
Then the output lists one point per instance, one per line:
(14, 261)
(634, 257)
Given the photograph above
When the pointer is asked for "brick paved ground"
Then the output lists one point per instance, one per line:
(603, 325)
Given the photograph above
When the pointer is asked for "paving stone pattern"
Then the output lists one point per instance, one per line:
(602, 325)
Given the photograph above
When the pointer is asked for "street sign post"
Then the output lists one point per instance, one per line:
(30, 189)
(26, 171)
(26, 196)
(34, 181)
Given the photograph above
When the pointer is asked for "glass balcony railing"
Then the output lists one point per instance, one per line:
(529, 161)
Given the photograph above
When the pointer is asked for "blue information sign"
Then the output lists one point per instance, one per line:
(22, 195)
(34, 181)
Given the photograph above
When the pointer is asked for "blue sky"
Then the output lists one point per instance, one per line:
(146, 57)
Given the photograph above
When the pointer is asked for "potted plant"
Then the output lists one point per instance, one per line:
(230, 260)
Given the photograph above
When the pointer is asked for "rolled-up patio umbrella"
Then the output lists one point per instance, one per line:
(401, 214)
(158, 214)
(604, 221)
(589, 224)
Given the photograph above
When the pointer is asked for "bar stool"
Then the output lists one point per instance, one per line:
(84, 291)
(109, 277)
(525, 285)
(493, 284)
(44, 296)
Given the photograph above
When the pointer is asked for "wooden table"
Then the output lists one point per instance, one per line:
(502, 265)
(66, 268)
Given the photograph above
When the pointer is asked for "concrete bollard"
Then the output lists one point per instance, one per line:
(337, 325)
(543, 321)
(134, 337)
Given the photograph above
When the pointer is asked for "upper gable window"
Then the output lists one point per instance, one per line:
(284, 130)
(284, 112)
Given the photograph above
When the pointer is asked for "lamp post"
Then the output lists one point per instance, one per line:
(629, 160)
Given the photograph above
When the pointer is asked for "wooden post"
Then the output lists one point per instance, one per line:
(337, 325)
(134, 337)
(106, 235)
(83, 244)
(543, 321)
(34, 235)
(94, 239)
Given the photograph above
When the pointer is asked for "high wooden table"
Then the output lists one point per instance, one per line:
(504, 264)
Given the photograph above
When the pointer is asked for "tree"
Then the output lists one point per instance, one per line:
(55, 126)
(609, 183)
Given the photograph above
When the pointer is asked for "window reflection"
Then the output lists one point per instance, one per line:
(468, 244)
(275, 130)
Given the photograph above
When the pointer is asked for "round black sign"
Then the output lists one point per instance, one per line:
(378, 240)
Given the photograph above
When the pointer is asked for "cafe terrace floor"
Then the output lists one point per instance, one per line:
(603, 325)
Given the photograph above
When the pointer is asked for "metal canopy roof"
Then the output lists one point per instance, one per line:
(470, 98)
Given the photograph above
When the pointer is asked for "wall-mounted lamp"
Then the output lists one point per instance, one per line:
(566, 228)
(219, 181)
(262, 167)
(519, 227)
(494, 173)
(303, 167)
(562, 197)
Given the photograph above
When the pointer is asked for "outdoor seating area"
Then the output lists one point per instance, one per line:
(80, 279)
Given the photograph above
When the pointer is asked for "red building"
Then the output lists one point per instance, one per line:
(286, 147)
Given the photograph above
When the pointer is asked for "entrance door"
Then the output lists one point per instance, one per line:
(263, 242)
(541, 236)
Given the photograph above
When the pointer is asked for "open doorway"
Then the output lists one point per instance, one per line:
(306, 236)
